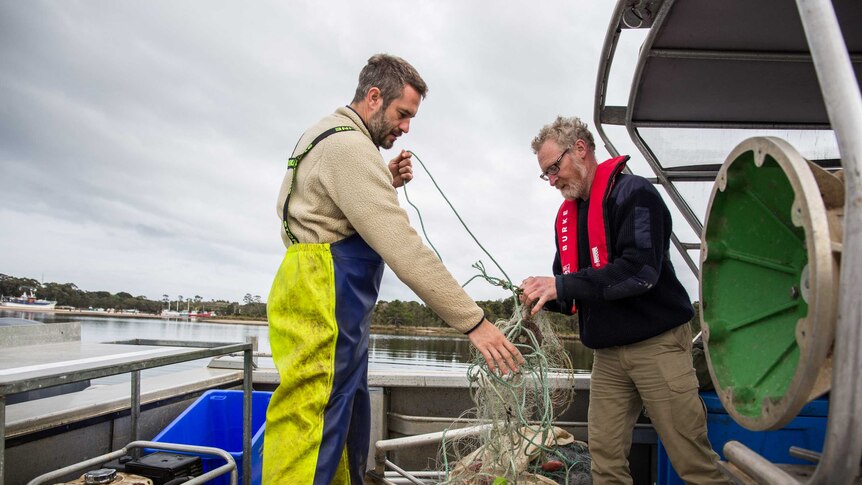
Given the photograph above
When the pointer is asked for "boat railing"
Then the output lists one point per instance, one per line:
(73, 362)
(381, 462)
(228, 467)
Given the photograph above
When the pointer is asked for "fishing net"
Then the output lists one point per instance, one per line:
(567, 464)
(517, 411)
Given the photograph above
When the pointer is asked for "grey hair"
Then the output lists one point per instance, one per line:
(564, 131)
(389, 74)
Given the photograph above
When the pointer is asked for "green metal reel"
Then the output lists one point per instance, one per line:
(769, 281)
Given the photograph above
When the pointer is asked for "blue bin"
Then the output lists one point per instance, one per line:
(807, 430)
(215, 419)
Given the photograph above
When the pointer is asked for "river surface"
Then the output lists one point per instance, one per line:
(385, 351)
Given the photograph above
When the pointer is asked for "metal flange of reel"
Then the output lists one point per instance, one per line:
(769, 281)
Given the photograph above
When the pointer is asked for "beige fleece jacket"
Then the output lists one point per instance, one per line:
(344, 187)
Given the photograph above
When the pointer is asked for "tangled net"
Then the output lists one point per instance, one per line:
(518, 411)
(574, 468)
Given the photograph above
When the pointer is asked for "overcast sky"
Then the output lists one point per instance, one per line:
(143, 143)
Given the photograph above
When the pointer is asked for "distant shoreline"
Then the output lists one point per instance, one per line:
(148, 316)
(378, 329)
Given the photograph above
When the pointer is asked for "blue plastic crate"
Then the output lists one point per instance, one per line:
(215, 419)
(807, 431)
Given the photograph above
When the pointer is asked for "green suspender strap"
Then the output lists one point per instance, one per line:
(293, 164)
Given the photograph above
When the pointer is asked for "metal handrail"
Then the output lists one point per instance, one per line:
(382, 446)
(203, 349)
(229, 466)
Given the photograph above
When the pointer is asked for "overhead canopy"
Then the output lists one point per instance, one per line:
(733, 63)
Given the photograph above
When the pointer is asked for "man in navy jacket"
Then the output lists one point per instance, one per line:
(612, 267)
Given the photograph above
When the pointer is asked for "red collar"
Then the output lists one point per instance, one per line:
(597, 228)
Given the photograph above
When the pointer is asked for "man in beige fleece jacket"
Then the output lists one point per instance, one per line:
(341, 222)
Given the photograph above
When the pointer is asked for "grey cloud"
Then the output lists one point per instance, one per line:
(151, 138)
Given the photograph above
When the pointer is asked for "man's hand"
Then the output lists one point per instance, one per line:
(540, 289)
(499, 353)
(402, 168)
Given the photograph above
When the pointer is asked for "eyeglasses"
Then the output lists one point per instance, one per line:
(554, 169)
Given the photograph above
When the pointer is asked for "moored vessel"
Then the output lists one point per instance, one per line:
(28, 301)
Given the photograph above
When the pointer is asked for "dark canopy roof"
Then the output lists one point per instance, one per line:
(733, 63)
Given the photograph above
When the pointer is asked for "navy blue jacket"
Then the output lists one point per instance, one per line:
(637, 295)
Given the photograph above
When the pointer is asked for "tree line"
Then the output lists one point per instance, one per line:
(396, 313)
(69, 295)
(407, 314)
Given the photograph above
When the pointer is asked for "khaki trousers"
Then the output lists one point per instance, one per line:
(657, 374)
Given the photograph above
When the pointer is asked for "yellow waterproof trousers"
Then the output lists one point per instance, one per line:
(319, 310)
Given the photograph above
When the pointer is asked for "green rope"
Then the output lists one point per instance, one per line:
(459, 219)
(534, 378)
(421, 222)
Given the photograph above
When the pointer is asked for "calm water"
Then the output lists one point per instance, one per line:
(385, 351)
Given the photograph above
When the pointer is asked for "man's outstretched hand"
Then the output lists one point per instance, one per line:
(499, 353)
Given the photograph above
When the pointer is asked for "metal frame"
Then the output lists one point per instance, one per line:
(382, 446)
(840, 461)
(196, 350)
(622, 115)
(680, 203)
(842, 450)
(136, 446)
